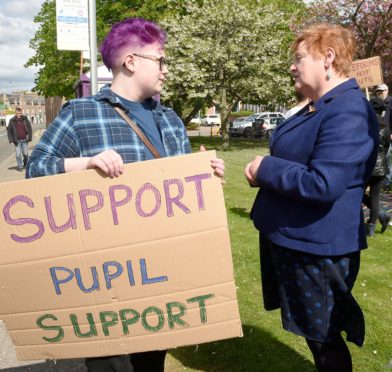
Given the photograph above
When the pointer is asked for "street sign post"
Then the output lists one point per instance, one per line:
(76, 30)
(72, 24)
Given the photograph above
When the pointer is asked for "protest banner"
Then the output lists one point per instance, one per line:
(368, 72)
(94, 266)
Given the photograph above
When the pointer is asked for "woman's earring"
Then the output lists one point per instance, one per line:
(329, 75)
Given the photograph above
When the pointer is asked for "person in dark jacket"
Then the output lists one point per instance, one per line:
(381, 93)
(309, 206)
(376, 181)
(20, 134)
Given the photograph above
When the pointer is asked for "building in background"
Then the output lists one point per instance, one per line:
(32, 104)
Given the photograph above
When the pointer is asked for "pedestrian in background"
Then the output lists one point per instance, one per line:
(309, 206)
(376, 181)
(381, 92)
(20, 134)
(90, 133)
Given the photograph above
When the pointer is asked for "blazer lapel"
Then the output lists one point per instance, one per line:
(292, 122)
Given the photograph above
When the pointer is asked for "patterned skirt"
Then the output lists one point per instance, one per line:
(313, 292)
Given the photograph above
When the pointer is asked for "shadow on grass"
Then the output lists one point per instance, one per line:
(66, 365)
(214, 143)
(257, 351)
(241, 212)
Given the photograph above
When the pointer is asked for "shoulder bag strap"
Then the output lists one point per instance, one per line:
(137, 130)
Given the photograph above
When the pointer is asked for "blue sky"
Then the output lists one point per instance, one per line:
(16, 30)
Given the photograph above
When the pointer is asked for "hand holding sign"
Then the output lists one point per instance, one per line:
(217, 164)
(109, 161)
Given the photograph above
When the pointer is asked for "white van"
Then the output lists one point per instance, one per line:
(210, 120)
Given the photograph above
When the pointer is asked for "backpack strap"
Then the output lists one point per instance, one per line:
(138, 131)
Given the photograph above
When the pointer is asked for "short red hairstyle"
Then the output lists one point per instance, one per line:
(319, 37)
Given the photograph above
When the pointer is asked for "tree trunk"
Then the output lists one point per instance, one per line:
(196, 108)
(225, 112)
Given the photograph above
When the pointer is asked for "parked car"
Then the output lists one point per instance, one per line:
(264, 127)
(210, 120)
(196, 120)
(244, 127)
(235, 128)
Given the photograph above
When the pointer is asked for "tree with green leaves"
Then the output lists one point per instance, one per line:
(228, 51)
(59, 69)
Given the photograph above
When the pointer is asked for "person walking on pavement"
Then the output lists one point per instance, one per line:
(91, 133)
(20, 134)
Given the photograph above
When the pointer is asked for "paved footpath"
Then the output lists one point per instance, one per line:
(8, 171)
(8, 361)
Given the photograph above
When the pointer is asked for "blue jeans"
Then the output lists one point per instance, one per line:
(22, 153)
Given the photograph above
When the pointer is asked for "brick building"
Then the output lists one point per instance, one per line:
(32, 104)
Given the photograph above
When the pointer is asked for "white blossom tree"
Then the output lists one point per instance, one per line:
(228, 51)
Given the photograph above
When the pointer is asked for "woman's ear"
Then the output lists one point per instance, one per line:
(330, 57)
(129, 63)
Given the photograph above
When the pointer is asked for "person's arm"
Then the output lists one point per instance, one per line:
(185, 145)
(109, 161)
(29, 129)
(343, 146)
(58, 142)
(59, 152)
(9, 132)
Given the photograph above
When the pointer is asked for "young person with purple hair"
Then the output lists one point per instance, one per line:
(88, 133)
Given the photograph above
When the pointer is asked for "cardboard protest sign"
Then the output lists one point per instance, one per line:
(368, 72)
(95, 266)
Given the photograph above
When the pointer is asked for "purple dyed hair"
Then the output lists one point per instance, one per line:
(129, 33)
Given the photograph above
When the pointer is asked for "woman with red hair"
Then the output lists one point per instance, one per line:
(308, 209)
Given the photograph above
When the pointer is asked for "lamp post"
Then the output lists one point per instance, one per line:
(93, 46)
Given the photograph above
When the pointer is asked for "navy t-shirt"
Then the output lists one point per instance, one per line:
(141, 113)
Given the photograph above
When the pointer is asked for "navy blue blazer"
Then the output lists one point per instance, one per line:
(311, 185)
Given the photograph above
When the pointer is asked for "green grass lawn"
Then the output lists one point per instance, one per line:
(265, 346)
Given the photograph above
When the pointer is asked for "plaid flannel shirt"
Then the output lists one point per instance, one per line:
(87, 126)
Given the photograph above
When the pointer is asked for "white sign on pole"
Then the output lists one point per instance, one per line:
(72, 24)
